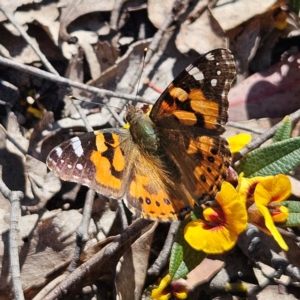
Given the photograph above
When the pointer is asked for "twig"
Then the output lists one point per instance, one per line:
(87, 124)
(264, 137)
(152, 48)
(122, 215)
(101, 262)
(46, 290)
(244, 127)
(163, 256)
(45, 62)
(115, 14)
(252, 246)
(177, 7)
(65, 81)
(15, 198)
(82, 230)
(116, 116)
(27, 38)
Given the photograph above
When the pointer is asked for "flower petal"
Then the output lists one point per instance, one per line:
(271, 226)
(281, 214)
(246, 186)
(238, 142)
(273, 189)
(211, 240)
(159, 293)
(234, 209)
(221, 238)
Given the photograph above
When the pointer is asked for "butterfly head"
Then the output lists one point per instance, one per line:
(133, 114)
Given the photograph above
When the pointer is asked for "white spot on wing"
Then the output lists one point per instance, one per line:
(219, 72)
(76, 145)
(62, 161)
(196, 73)
(210, 56)
(69, 166)
(58, 151)
(79, 166)
(214, 82)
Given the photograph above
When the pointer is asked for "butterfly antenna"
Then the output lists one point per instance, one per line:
(72, 97)
(142, 69)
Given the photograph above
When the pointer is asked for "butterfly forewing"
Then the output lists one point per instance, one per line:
(190, 115)
(95, 159)
(197, 98)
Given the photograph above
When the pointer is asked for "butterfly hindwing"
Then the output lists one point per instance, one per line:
(204, 166)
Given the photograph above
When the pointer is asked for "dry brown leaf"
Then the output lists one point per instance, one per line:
(107, 54)
(233, 13)
(72, 10)
(132, 267)
(157, 11)
(120, 77)
(245, 45)
(275, 292)
(203, 272)
(44, 15)
(201, 35)
(49, 245)
(11, 6)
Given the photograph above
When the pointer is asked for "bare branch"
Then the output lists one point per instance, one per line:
(265, 136)
(164, 254)
(65, 81)
(15, 198)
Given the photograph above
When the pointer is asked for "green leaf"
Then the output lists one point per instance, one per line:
(183, 257)
(277, 158)
(293, 206)
(285, 130)
(292, 220)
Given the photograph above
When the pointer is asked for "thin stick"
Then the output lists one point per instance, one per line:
(15, 198)
(164, 254)
(244, 127)
(265, 136)
(82, 235)
(87, 124)
(65, 81)
(99, 263)
(46, 290)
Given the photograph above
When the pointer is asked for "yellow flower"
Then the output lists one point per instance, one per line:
(262, 196)
(238, 142)
(167, 288)
(246, 187)
(222, 226)
(267, 193)
(161, 293)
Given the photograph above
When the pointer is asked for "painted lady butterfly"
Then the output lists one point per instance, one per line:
(166, 161)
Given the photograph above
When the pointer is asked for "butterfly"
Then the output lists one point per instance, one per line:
(167, 161)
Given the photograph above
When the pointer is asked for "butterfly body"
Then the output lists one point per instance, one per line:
(168, 160)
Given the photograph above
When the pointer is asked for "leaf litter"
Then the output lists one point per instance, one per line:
(101, 43)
